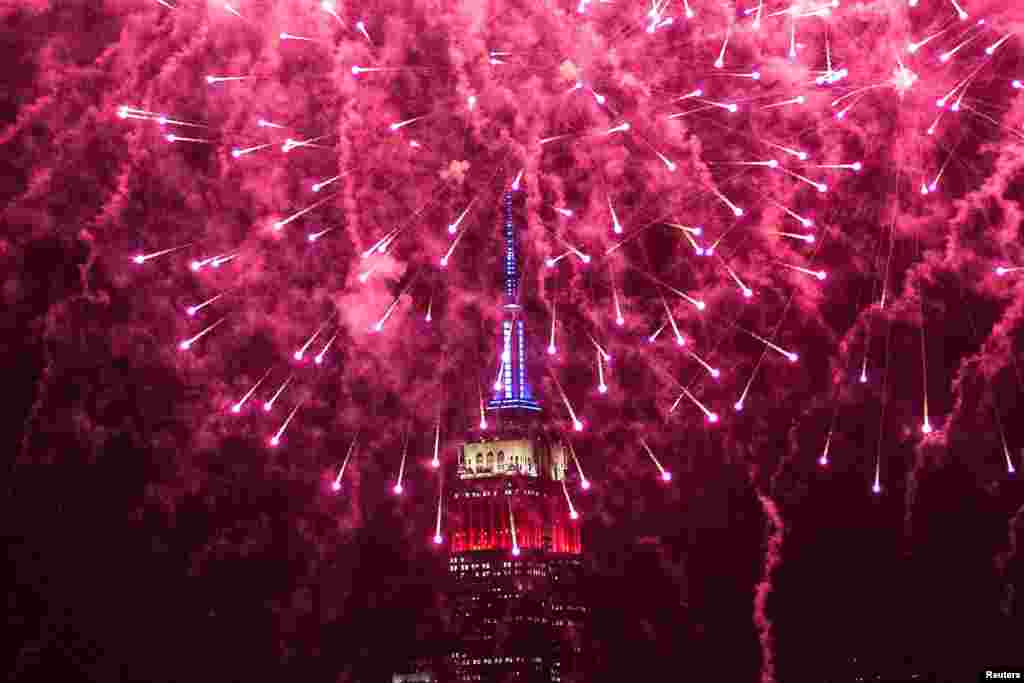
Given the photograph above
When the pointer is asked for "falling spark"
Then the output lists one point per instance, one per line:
(876, 487)
(820, 274)
(438, 538)
(192, 310)
(436, 462)
(737, 211)
(237, 408)
(402, 124)
(280, 224)
(238, 152)
(219, 79)
(187, 344)
(792, 357)
(324, 183)
(584, 482)
(576, 423)
(552, 349)
(269, 405)
(276, 439)
(454, 227)
(601, 386)
(680, 340)
(665, 474)
(600, 349)
(139, 259)
(655, 334)
(616, 227)
(178, 138)
(714, 372)
(1004, 270)
(314, 236)
(301, 352)
(512, 525)
(341, 471)
(319, 358)
(823, 460)
(708, 415)
(572, 510)
(401, 468)
(328, 6)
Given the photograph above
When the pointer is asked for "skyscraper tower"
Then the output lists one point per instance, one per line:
(515, 554)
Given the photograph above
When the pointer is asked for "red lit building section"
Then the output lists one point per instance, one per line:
(485, 510)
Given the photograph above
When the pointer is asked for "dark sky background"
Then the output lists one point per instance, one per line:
(155, 535)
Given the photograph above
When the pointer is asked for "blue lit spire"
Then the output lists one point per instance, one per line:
(512, 389)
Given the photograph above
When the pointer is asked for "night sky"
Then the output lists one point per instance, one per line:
(237, 238)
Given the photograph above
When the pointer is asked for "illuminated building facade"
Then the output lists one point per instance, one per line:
(514, 551)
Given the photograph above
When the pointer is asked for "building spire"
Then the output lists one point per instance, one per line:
(512, 390)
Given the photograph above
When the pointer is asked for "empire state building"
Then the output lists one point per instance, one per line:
(514, 558)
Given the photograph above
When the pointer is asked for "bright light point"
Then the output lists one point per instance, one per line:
(190, 311)
(863, 378)
(800, 99)
(701, 305)
(620, 321)
(802, 156)
(823, 460)
(738, 211)
(452, 229)
(311, 238)
(876, 489)
(670, 166)
(793, 357)
(733, 108)
(435, 463)
(437, 540)
(267, 407)
(237, 153)
(822, 187)
(578, 426)
(171, 138)
(236, 408)
(963, 16)
(444, 262)
(483, 424)
(600, 99)
(552, 350)
(806, 222)
(774, 163)
(710, 251)
(1000, 271)
(278, 225)
(747, 293)
(926, 428)
(397, 489)
(428, 318)
(550, 263)
(497, 386)
(274, 441)
(283, 36)
(585, 258)
(1018, 85)
(336, 486)
(378, 327)
(184, 346)
(719, 63)
(603, 388)
(298, 355)
(738, 406)
(356, 70)
(515, 551)
(699, 251)
(856, 166)
(821, 275)
(573, 514)
(809, 239)
(716, 373)
(139, 259)
(756, 75)
(585, 485)
(666, 476)
(318, 359)
(713, 417)
(211, 79)
(680, 341)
